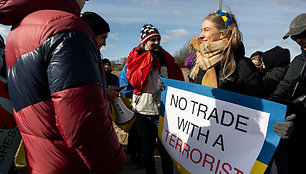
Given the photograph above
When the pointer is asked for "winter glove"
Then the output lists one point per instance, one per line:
(284, 129)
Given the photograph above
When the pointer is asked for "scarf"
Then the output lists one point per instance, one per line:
(208, 55)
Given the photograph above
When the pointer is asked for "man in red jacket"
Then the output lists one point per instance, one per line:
(145, 65)
(57, 87)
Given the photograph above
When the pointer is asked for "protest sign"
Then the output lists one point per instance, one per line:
(209, 130)
(9, 143)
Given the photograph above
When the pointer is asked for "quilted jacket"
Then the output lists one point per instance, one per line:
(57, 87)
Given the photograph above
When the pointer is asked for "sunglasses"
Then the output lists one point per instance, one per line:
(299, 36)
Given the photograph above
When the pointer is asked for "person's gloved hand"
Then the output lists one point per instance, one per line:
(284, 129)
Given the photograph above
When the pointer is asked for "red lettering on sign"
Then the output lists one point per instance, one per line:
(197, 156)
(167, 135)
(226, 164)
(172, 140)
(186, 149)
(179, 143)
(200, 155)
(211, 162)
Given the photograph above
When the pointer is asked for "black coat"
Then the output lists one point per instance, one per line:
(111, 79)
(273, 78)
(295, 143)
(286, 86)
(276, 62)
(245, 79)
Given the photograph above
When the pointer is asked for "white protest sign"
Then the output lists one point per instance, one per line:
(206, 134)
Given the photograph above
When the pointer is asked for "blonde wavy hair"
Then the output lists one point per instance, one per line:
(234, 41)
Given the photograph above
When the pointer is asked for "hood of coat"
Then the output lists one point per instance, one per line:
(276, 57)
(239, 51)
(13, 11)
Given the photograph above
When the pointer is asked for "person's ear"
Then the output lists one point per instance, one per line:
(223, 34)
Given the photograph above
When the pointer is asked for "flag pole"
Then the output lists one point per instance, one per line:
(219, 4)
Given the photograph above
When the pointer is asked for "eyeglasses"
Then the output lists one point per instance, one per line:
(299, 36)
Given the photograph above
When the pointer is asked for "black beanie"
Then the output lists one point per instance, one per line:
(106, 61)
(257, 53)
(97, 24)
(276, 57)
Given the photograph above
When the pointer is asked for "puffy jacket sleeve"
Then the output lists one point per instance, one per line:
(81, 107)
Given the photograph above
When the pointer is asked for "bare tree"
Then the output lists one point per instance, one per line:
(181, 55)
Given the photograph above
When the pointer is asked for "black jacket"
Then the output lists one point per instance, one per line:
(276, 62)
(286, 86)
(284, 91)
(111, 79)
(244, 80)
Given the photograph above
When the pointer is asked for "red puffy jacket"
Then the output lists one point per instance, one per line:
(57, 87)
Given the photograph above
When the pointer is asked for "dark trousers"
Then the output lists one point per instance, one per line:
(147, 127)
(134, 144)
(296, 145)
(280, 159)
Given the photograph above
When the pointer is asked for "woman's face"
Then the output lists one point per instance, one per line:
(210, 33)
(107, 67)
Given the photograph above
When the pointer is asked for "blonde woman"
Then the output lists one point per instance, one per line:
(220, 60)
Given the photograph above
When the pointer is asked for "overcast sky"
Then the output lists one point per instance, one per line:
(262, 22)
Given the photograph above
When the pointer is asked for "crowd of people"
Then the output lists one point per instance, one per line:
(61, 89)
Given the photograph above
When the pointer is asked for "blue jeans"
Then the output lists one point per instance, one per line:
(147, 127)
